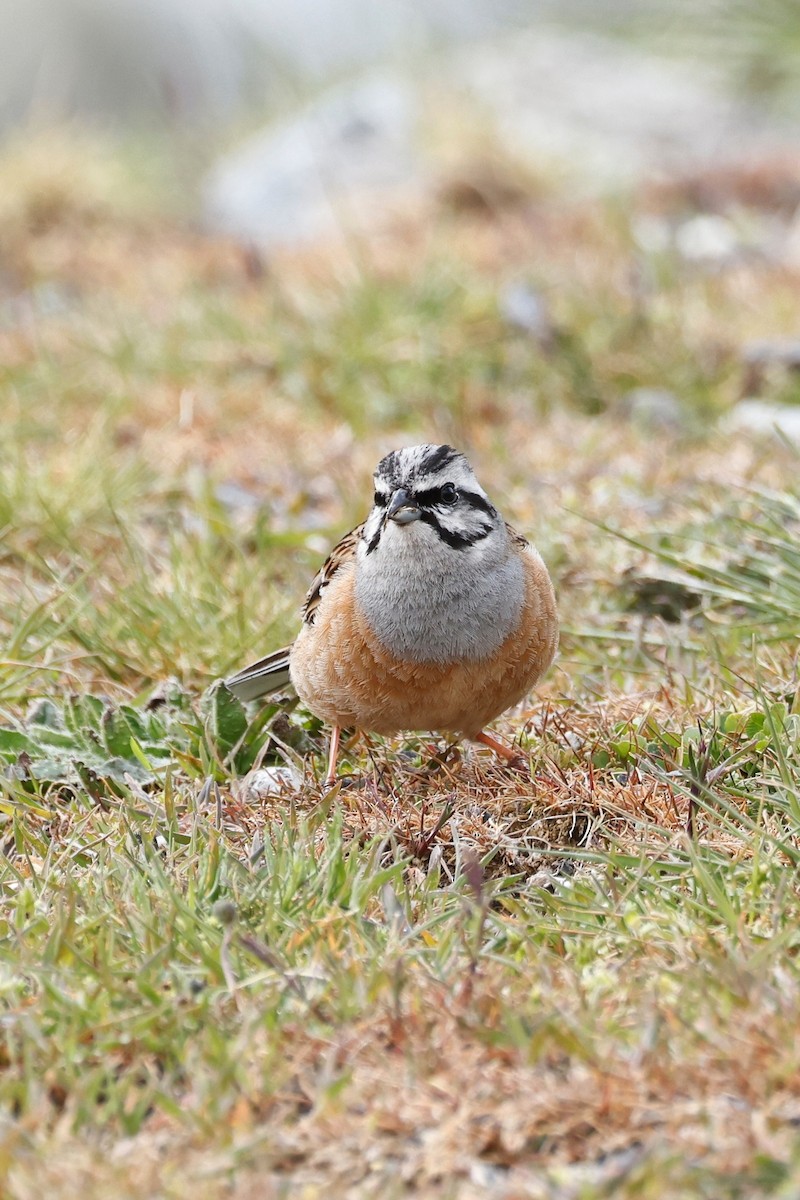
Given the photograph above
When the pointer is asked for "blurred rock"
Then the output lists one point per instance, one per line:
(653, 408)
(707, 238)
(713, 242)
(526, 310)
(760, 418)
(609, 113)
(43, 300)
(763, 359)
(237, 499)
(783, 352)
(329, 170)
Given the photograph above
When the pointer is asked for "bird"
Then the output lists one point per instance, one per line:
(434, 614)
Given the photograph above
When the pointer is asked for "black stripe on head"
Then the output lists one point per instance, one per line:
(457, 541)
(400, 468)
(388, 469)
(437, 458)
(475, 500)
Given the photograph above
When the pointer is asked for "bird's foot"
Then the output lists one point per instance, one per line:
(511, 755)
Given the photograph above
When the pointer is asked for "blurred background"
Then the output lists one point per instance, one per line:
(279, 119)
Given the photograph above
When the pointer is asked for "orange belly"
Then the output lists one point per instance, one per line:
(345, 677)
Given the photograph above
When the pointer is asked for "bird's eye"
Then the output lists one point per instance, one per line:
(380, 500)
(449, 494)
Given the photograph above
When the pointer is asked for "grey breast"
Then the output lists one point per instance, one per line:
(429, 603)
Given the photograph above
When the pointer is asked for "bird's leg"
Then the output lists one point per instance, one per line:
(506, 752)
(333, 754)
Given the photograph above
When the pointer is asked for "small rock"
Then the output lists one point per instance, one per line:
(761, 418)
(653, 408)
(525, 309)
(707, 238)
(270, 781)
(763, 358)
(783, 352)
(236, 499)
(486, 1175)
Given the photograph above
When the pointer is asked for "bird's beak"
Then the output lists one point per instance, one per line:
(402, 509)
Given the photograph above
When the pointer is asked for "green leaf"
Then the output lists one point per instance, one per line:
(13, 743)
(54, 769)
(83, 715)
(117, 733)
(224, 717)
(731, 722)
(45, 713)
(754, 725)
(44, 736)
(142, 725)
(116, 769)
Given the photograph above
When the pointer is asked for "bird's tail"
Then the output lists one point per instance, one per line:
(269, 674)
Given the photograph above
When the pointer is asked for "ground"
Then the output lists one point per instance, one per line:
(443, 978)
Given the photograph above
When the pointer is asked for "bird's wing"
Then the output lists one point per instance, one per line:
(516, 538)
(270, 674)
(343, 552)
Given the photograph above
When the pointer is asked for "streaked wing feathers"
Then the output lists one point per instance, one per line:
(270, 674)
(341, 553)
(516, 538)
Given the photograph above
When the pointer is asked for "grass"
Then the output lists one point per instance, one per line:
(448, 980)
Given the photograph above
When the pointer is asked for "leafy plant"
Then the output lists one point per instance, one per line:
(86, 740)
